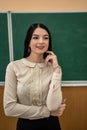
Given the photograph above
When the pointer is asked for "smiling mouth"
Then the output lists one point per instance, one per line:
(40, 47)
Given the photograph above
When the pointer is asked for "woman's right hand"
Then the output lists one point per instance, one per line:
(60, 110)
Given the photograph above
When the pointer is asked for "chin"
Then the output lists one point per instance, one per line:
(41, 52)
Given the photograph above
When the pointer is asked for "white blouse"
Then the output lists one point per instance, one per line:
(32, 90)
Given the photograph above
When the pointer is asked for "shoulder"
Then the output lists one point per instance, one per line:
(14, 64)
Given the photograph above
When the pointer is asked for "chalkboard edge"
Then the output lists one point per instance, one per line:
(74, 83)
(64, 83)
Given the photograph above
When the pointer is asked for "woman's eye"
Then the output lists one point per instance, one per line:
(46, 38)
(35, 37)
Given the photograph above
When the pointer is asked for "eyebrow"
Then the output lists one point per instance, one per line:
(38, 35)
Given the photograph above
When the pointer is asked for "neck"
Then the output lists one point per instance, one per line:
(35, 58)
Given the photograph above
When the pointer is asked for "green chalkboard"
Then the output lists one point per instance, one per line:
(4, 45)
(69, 39)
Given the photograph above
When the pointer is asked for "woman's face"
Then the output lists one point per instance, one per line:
(39, 41)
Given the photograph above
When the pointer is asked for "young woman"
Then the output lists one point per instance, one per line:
(33, 84)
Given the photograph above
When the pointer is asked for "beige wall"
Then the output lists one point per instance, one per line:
(43, 5)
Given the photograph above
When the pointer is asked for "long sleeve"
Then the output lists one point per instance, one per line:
(54, 97)
(14, 108)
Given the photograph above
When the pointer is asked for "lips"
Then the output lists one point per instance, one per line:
(40, 47)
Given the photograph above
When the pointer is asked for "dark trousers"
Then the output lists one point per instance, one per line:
(50, 123)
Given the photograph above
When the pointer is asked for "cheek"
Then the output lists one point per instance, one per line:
(31, 45)
(47, 46)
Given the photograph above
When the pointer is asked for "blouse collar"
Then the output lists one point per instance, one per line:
(33, 64)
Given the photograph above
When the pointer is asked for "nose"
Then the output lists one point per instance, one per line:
(40, 40)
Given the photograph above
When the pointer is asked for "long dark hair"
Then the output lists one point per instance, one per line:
(29, 36)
